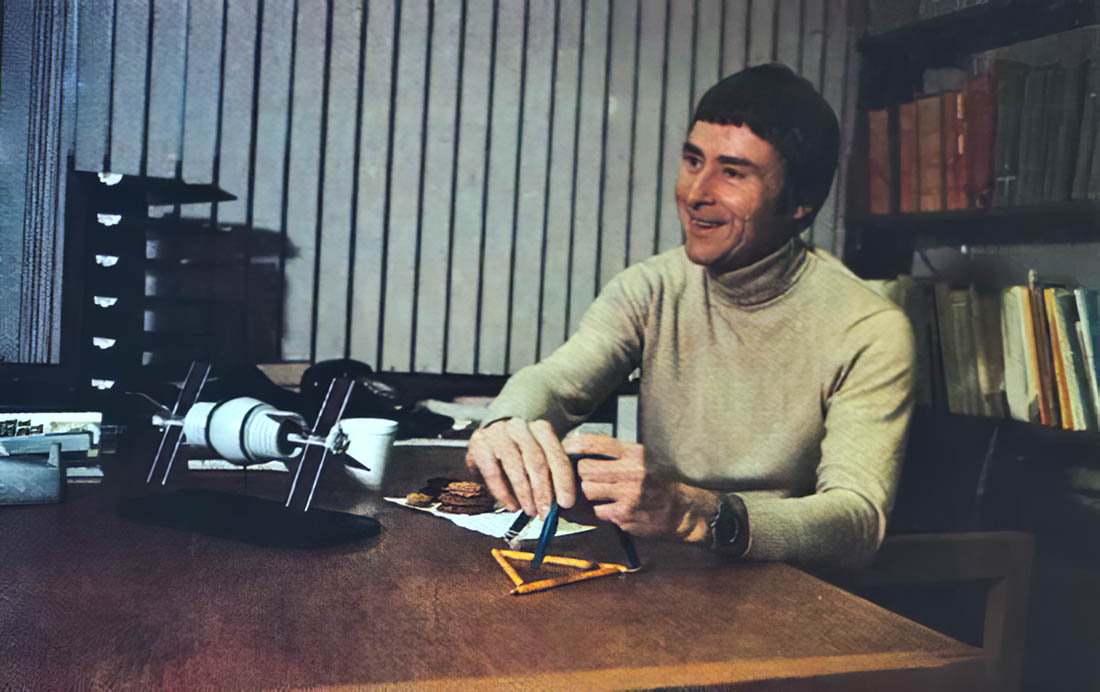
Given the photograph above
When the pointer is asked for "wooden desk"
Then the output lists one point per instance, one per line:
(90, 600)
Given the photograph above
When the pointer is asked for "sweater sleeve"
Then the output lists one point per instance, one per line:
(868, 402)
(566, 386)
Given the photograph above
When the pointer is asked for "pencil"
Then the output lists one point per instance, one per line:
(565, 579)
(508, 569)
(549, 559)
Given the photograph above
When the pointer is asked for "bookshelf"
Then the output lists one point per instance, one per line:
(893, 66)
(981, 128)
(894, 60)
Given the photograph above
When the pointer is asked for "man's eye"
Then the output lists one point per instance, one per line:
(692, 162)
(731, 172)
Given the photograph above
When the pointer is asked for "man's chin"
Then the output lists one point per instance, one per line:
(703, 256)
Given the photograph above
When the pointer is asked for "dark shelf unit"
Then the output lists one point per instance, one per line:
(894, 60)
(891, 72)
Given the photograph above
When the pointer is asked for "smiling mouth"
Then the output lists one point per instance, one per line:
(706, 223)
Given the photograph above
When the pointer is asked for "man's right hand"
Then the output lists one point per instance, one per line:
(523, 465)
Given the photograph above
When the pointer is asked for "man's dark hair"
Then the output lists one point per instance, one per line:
(785, 111)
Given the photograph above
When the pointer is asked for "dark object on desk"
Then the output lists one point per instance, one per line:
(371, 397)
(32, 471)
(29, 481)
(248, 519)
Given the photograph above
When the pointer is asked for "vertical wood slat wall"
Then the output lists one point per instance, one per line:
(454, 179)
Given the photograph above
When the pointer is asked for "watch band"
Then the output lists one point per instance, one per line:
(725, 527)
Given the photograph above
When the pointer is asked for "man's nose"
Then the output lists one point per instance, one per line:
(699, 193)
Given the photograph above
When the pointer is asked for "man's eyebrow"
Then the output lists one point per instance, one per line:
(737, 161)
(690, 148)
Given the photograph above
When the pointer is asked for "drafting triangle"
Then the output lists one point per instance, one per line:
(574, 570)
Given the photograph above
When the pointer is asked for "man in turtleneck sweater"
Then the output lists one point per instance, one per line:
(776, 389)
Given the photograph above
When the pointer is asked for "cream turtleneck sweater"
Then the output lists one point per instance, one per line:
(788, 383)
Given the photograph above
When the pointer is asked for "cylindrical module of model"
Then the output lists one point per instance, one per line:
(241, 431)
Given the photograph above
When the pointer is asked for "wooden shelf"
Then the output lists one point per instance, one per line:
(1066, 223)
(981, 28)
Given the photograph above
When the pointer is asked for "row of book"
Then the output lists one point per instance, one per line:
(1028, 352)
(1016, 135)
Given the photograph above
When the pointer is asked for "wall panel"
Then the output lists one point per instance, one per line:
(447, 183)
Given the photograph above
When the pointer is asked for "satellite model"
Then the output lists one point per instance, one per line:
(246, 431)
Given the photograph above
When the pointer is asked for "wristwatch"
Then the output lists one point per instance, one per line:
(725, 527)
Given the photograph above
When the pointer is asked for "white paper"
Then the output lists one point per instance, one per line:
(496, 524)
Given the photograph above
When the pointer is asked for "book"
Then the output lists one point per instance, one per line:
(1078, 398)
(930, 153)
(1009, 91)
(1086, 138)
(979, 140)
(1031, 151)
(1021, 367)
(907, 157)
(985, 311)
(1048, 403)
(958, 350)
(878, 160)
(1088, 312)
(1057, 333)
(1093, 386)
(1064, 96)
(954, 150)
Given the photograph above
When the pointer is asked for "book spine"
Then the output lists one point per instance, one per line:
(1048, 407)
(878, 160)
(1086, 137)
(930, 153)
(907, 157)
(1064, 125)
(1057, 331)
(1088, 310)
(1019, 390)
(1032, 146)
(979, 141)
(985, 310)
(1006, 145)
(954, 149)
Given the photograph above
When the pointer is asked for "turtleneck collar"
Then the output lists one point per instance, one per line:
(761, 281)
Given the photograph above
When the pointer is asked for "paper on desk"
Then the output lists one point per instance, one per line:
(497, 523)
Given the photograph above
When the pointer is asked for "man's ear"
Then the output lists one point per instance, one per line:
(801, 211)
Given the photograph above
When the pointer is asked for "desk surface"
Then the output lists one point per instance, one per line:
(90, 600)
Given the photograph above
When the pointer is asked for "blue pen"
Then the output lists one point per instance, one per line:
(549, 528)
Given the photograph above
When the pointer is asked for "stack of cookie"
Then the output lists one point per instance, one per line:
(465, 497)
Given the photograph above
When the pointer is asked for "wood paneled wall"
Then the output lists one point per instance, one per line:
(454, 180)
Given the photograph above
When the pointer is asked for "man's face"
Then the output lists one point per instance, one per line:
(727, 194)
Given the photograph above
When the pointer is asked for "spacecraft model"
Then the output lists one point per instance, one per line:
(247, 431)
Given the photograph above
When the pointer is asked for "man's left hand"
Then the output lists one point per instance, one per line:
(622, 491)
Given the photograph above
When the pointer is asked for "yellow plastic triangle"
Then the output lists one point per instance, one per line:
(585, 569)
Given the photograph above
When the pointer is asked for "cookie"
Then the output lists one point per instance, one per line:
(418, 500)
(457, 509)
(484, 504)
(466, 488)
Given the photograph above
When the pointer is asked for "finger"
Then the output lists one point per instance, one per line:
(534, 463)
(481, 459)
(561, 469)
(600, 492)
(610, 471)
(511, 460)
(590, 443)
